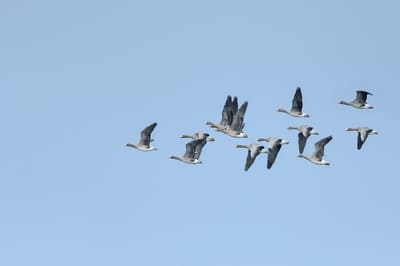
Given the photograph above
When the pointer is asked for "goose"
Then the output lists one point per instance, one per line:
(363, 133)
(297, 105)
(275, 145)
(254, 150)
(305, 132)
(192, 153)
(145, 139)
(198, 135)
(232, 122)
(360, 101)
(316, 157)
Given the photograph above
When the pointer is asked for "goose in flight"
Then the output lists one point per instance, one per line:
(145, 139)
(360, 101)
(198, 135)
(192, 153)
(297, 105)
(363, 133)
(316, 157)
(253, 151)
(275, 145)
(305, 132)
(232, 122)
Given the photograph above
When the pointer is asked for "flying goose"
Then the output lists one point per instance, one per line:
(360, 101)
(297, 105)
(253, 151)
(192, 153)
(363, 133)
(232, 122)
(145, 139)
(316, 157)
(305, 132)
(198, 135)
(275, 145)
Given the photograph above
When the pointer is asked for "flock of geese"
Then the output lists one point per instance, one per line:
(232, 124)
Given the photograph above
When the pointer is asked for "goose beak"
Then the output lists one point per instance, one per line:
(285, 142)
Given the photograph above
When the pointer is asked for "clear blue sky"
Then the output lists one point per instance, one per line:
(79, 79)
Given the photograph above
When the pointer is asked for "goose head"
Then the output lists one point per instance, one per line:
(313, 132)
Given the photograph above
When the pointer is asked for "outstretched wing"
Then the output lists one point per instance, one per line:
(297, 102)
(227, 114)
(199, 147)
(302, 142)
(249, 160)
(238, 118)
(361, 138)
(272, 154)
(320, 146)
(361, 96)
(190, 149)
(145, 135)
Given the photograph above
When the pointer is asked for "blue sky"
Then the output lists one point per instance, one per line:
(80, 79)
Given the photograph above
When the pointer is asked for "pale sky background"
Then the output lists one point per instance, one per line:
(80, 79)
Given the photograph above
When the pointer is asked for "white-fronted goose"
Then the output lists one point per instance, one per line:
(360, 101)
(305, 132)
(316, 157)
(275, 145)
(192, 153)
(363, 133)
(253, 151)
(145, 139)
(297, 105)
(232, 122)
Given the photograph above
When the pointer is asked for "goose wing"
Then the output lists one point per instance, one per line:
(273, 153)
(145, 134)
(362, 137)
(297, 102)
(199, 147)
(361, 96)
(238, 118)
(190, 149)
(320, 146)
(227, 114)
(249, 160)
(302, 142)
